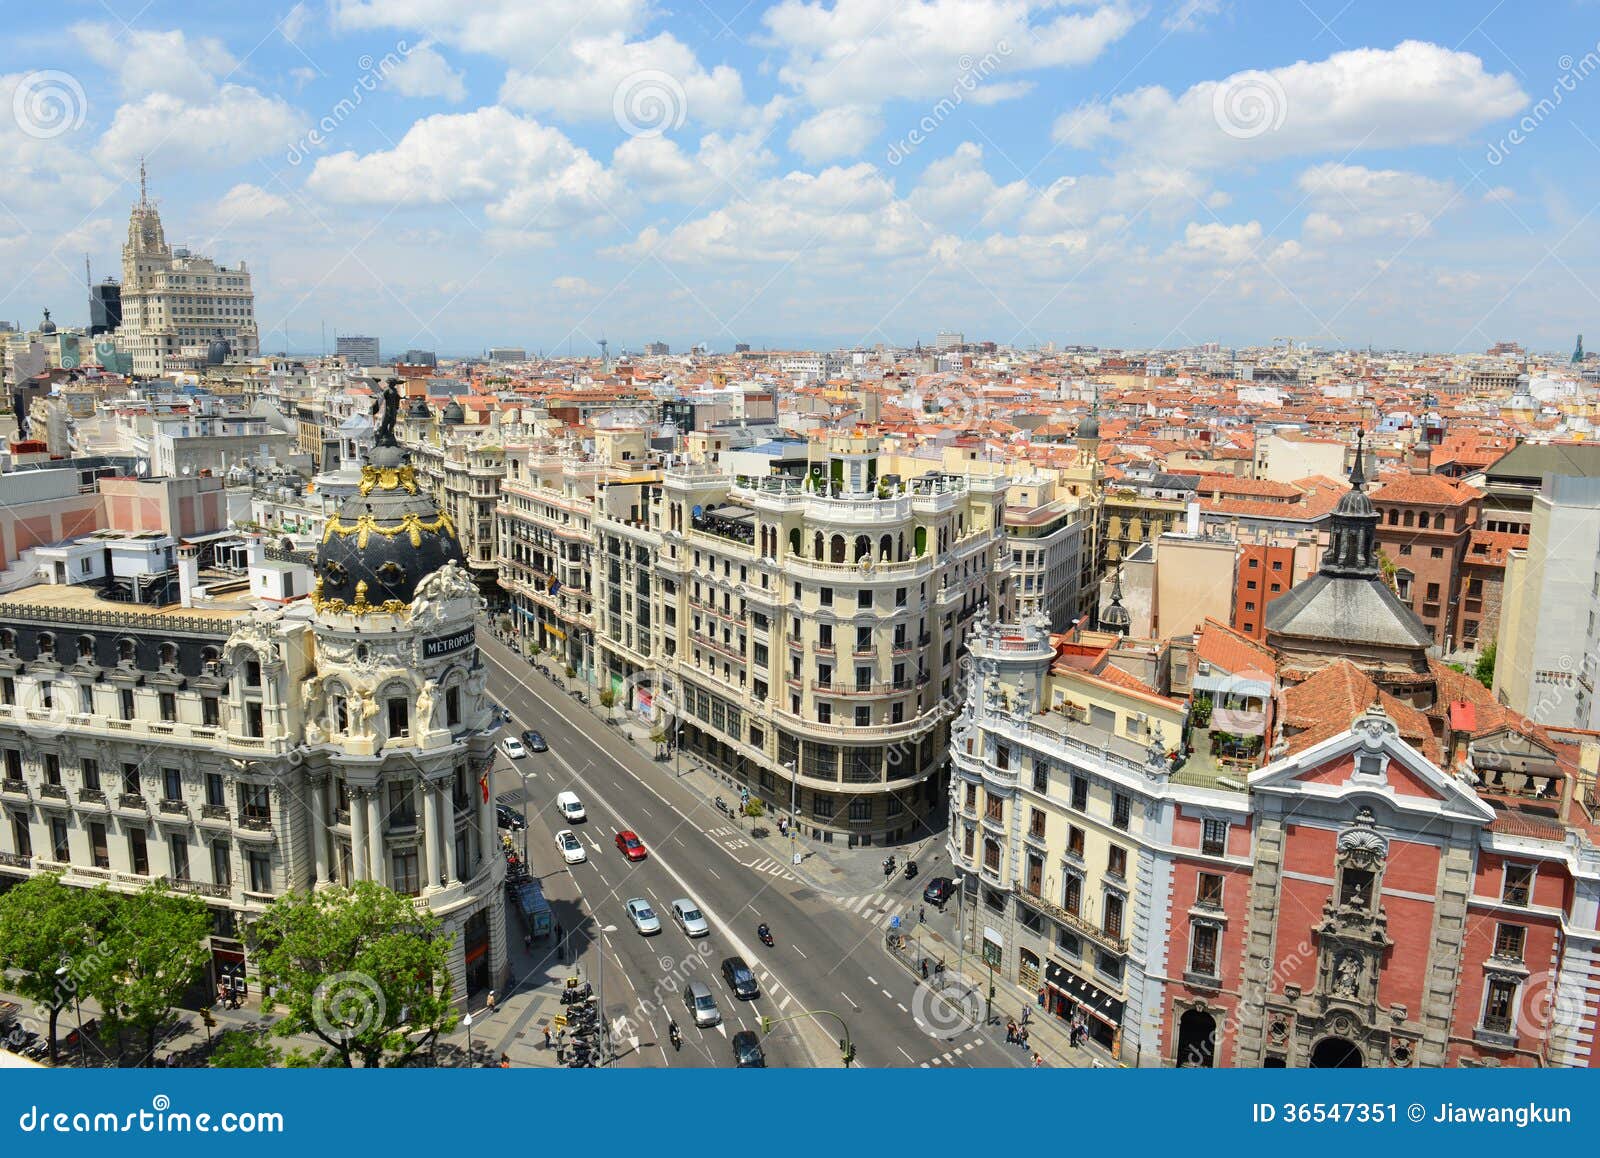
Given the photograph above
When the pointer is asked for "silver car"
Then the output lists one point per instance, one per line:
(702, 1006)
(643, 916)
(690, 919)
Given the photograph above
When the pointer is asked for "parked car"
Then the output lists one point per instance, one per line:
(747, 1053)
(571, 847)
(508, 817)
(702, 1006)
(513, 748)
(570, 807)
(690, 919)
(939, 890)
(643, 916)
(740, 978)
(630, 845)
(534, 741)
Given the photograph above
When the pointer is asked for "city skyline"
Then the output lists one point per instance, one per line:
(797, 176)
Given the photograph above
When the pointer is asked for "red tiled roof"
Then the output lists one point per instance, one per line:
(1325, 705)
(1232, 652)
(1428, 489)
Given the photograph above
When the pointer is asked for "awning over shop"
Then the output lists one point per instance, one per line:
(555, 631)
(1090, 997)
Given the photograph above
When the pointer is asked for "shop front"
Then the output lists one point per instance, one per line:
(1073, 999)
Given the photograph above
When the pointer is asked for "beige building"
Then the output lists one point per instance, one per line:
(177, 305)
(1193, 580)
(1287, 456)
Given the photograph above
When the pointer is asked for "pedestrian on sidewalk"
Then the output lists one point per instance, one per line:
(1022, 1038)
(1038, 1061)
(1011, 1032)
(922, 914)
(1027, 1015)
(505, 1061)
(490, 1008)
(547, 1037)
(924, 968)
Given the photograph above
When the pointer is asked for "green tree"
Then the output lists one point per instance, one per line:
(245, 1049)
(362, 968)
(49, 935)
(1484, 671)
(154, 952)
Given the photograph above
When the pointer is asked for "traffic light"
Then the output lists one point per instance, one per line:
(766, 1024)
(205, 1016)
(847, 1050)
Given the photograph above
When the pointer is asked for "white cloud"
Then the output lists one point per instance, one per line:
(1213, 242)
(529, 177)
(866, 52)
(1500, 195)
(650, 84)
(247, 204)
(238, 125)
(424, 73)
(1349, 201)
(658, 169)
(835, 133)
(1190, 15)
(575, 287)
(294, 22)
(1413, 94)
(147, 61)
(958, 191)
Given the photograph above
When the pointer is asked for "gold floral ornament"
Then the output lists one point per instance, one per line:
(410, 523)
(387, 478)
(361, 606)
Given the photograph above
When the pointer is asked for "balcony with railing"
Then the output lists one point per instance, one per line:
(1036, 900)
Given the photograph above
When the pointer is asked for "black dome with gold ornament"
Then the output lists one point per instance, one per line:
(386, 538)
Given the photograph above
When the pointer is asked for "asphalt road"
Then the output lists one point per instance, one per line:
(825, 959)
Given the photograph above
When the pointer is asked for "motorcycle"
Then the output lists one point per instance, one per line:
(765, 934)
(888, 866)
(576, 994)
(675, 1035)
(911, 869)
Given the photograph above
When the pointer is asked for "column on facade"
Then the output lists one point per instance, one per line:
(375, 833)
(358, 832)
(486, 829)
(319, 827)
(430, 834)
(449, 835)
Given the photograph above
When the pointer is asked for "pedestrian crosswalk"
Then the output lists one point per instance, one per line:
(771, 868)
(875, 907)
(952, 1055)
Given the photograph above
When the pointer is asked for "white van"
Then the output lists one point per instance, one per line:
(570, 807)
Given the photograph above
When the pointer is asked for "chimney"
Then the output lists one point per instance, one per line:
(188, 572)
(1192, 517)
(257, 546)
(1422, 458)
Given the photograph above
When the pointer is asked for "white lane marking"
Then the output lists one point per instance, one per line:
(712, 871)
(593, 843)
(920, 1022)
(784, 1004)
(602, 877)
(889, 995)
(924, 1065)
(946, 1057)
(722, 1029)
(903, 1009)
(796, 948)
(871, 980)
(907, 1056)
(849, 1000)
(935, 1061)
(606, 939)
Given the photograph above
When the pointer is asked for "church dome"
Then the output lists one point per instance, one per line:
(419, 409)
(453, 414)
(386, 538)
(1090, 426)
(47, 326)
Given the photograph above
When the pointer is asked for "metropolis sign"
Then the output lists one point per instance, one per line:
(446, 644)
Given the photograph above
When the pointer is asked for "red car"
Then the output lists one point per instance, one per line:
(630, 845)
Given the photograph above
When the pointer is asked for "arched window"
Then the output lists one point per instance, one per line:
(816, 546)
(8, 639)
(86, 648)
(886, 547)
(794, 541)
(127, 651)
(836, 549)
(47, 645)
(1438, 521)
(863, 548)
(919, 541)
(169, 655)
(1409, 519)
(901, 553)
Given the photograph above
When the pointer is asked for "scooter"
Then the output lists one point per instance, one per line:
(675, 1035)
(888, 866)
(911, 869)
(765, 934)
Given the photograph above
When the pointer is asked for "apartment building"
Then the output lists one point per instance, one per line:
(1051, 540)
(237, 748)
(1426, 521)
(462, 465)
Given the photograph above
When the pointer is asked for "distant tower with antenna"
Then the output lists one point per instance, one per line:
(605, 354)
(1577, 351)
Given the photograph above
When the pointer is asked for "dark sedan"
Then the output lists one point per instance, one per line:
(741, 979)
(939, 890)
(534, 742)
(747, 1053)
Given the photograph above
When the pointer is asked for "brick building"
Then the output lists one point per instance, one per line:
(1425, 523)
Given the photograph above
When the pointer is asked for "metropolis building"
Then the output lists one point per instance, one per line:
(247, 743)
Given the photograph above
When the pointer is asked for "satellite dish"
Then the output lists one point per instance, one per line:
(696, 512)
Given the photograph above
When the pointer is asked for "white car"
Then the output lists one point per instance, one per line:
(643, 916)
(571, 847)
(513, 748)
(690, 919)
(570, 807)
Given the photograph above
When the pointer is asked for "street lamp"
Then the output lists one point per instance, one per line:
(794, 822)
(467, 1021)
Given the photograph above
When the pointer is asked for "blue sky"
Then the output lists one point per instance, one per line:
(453, 175)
